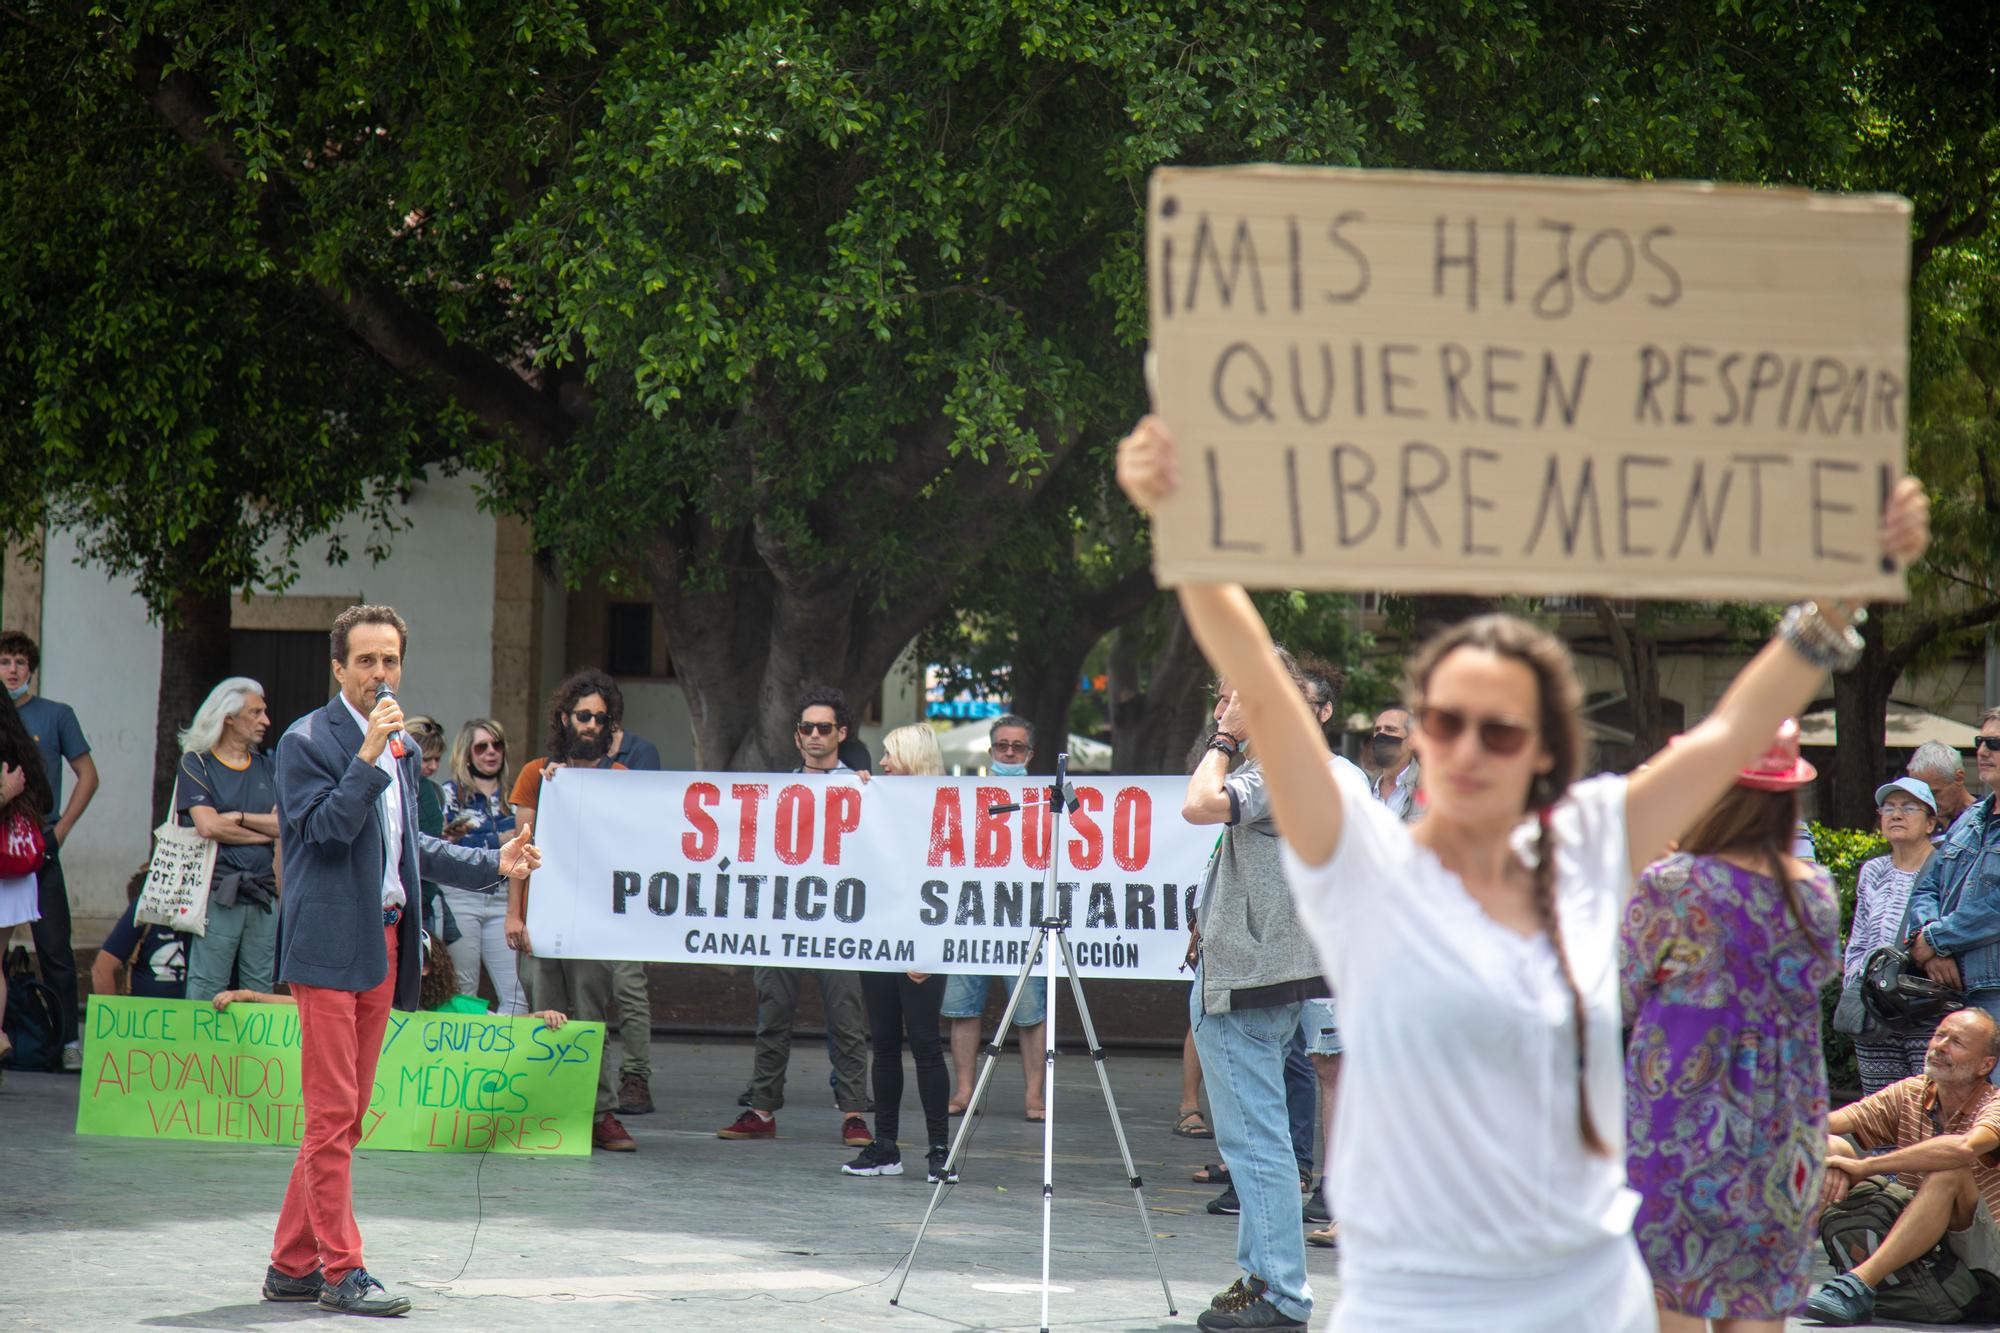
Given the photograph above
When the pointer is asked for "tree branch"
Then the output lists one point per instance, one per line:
(403, 336)
(1896, 660)
(1942, 232)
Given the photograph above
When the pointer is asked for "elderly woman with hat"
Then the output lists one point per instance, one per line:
(1726, 945)
(1907, 813)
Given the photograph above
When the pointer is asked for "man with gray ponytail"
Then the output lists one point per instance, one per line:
(227, 791)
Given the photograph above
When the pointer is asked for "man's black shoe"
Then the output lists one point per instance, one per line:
(1257, 1314)
(1225, 1204)
(284, 1287)
(358, 1293)
(1315, 1211)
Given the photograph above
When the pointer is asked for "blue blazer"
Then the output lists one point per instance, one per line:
(330, 825)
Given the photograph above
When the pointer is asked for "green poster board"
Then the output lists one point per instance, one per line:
(176, 1069)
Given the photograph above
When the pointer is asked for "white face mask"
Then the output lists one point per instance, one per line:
(1002, 769)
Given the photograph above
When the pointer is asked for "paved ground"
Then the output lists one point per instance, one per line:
(691, 1231)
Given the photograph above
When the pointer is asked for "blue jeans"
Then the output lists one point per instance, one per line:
(1301, 1097)
(1243, 1057)
(965, 997)
(1989, 1000)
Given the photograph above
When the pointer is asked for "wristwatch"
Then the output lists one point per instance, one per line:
(1224, 742)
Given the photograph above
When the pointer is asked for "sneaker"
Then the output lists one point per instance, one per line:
(877, 1159)
(607, 1135)
(1259, 1313)
(358, 1293)
(854, 1132)
(1238, 1294)
(1315, 1210)
(72, 1059)
(936, 1170)
(284, 1287)
(1226, 1204)
(1845, 1300)
(634, 1096)
(750, 1125)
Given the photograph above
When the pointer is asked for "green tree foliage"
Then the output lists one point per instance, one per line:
(797, 313)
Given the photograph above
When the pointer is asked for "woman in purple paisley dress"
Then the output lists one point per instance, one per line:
(1726, 945)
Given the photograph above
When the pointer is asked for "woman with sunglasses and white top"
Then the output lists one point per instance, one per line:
(477, 814)
(1478, 1166)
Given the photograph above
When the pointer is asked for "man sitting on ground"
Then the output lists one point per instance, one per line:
(1944, 1129)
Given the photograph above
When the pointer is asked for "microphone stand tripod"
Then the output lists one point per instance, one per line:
(1061, 798)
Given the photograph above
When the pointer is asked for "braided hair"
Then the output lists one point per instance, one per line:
(1559, 700)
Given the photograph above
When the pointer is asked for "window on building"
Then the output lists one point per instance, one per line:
(628, 647)
(292, 667)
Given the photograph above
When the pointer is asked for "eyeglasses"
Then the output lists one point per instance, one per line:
(481, 747)
(1901, 808)
(1986, 742)
(1496, 735)
(817, 728)
(1009, 747)
(586, 717)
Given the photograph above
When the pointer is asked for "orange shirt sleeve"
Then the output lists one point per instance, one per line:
(1872, 1120)
(528, 787)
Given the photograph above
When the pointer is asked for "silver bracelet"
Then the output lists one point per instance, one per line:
(1813, 637)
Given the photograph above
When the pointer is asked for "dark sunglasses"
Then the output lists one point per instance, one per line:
(585, 716)
(817, 728)
(1986, 742)
(481, 747)
(1496, 736)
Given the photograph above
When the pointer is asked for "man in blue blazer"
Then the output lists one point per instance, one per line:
(348, 939)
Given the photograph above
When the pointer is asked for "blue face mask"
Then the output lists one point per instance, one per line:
(1000, 768)
(15, 692)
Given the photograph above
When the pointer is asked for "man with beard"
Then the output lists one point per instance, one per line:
(580, 726)
(1944, 1131)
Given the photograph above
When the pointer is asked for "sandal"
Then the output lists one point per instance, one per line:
(1327, 1238)
(1192, 1126)
(1215, 1173)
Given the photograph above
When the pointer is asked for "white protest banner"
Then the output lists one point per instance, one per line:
(1502, 384)
(898, 874)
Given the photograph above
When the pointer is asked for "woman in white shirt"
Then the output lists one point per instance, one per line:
(1478, 1165)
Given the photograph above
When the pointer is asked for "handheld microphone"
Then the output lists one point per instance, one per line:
(396, 746)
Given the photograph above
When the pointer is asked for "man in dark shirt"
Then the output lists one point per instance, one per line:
(155, 957)
(56, 732)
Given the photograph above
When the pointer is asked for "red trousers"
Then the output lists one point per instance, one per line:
(340, 1043)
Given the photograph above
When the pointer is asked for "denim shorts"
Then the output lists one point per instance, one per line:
(965, 997)
(1321, 1032)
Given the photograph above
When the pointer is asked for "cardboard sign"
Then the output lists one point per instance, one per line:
(1428, 382)
(913, 874)
(178, 1069)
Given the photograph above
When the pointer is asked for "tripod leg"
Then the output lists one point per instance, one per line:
(1117, 1125)
(988, 1059)
(1049, 1115)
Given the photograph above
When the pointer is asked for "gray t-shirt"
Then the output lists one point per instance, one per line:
(59, 739)
(206, 780)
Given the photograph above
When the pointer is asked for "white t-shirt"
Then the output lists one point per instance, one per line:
(391, 806)
(1457, 1151)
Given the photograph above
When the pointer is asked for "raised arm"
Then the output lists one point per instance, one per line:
(1304, 799)
(1666, 797)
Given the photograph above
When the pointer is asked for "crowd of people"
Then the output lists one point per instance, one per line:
(1533, 1049)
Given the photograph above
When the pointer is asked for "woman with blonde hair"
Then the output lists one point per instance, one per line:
(477, 814)
(1478, 1170)
(906, 1003)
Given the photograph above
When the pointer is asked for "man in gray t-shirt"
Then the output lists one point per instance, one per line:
(252, 789)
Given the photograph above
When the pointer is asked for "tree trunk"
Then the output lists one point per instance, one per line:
(194, 658)
(1637, 653)
(1152, 734)
(1042, 694)
(1861, 713)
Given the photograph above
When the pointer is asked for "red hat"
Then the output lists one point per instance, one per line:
(1779, 768)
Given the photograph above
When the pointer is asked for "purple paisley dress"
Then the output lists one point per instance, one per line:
(1725, 1082)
